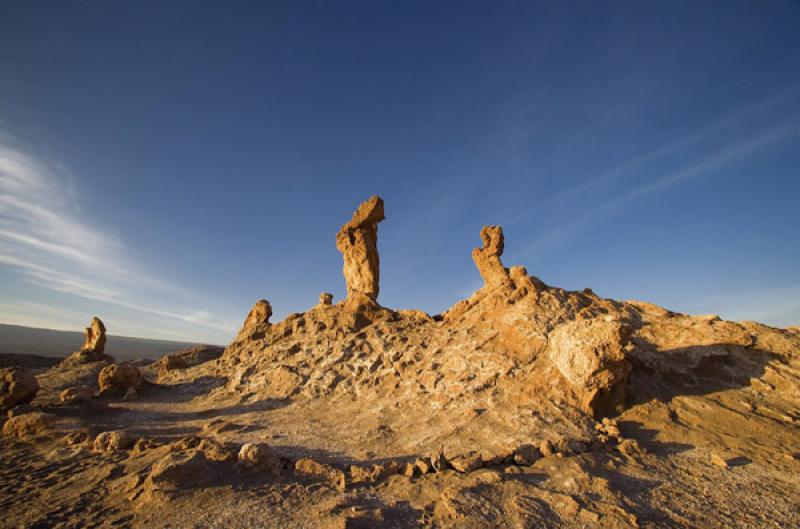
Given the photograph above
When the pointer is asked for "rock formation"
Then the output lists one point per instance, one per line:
(487, 258)
(260, 313)
(17, 386)
(94, 337)
(325, 299)
(358, 242)
(591, 356)
(119, 378)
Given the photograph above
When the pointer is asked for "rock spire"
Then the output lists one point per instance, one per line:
(487, 258)
(358, 242)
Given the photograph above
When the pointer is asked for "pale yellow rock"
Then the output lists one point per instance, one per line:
(358, 242)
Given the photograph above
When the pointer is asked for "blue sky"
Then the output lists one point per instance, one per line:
(163, 165)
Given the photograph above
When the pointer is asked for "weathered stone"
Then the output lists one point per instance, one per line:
(77, 438)
(17, 386)
(260, 313)
(438, 460)
(119, 378)
(358, 242)
(113, 441)
(308, 467)
(326, 299)
(34, 423)
(94, 337)
(719, 461)
(179, 470)
(487, 257)
(76, 394)
(591, 356)
(467, 462)
(258, 455)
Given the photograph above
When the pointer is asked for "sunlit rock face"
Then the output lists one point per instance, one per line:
(487, 258)
(358, 242)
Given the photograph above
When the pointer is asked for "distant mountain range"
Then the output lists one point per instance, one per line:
(17, 339)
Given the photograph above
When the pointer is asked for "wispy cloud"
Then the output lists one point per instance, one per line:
(711, 162)
(47, 240)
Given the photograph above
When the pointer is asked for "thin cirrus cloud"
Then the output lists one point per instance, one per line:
(712, 161)
(44, 239)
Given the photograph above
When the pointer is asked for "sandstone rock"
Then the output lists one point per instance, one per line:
(119, 378)
(546, 448)
(34, 423)
(256, 455)
(591, 356)
(325, 299)
(94, 337)
(719, 461)
(467, 462)
(422, 465)
(438, 460)
(260, 313)
(113, 441)
(358, 242)
(76, 394)
(308, 467)
(189, 357)
(77, 438)
(17, 386)
(487, 258)
(629, 447)
(178, 470)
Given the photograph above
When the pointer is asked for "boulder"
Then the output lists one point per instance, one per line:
(17, 386)
(179, 470)
(260, 313)
(487, 257)
(113, 441)
(28, 424)
(590, 354)
(119, 378)
(325, 299)
(77, 394)
(308, 467)
(467, 462)
(258, 455)
(190, 357)
(358, 242)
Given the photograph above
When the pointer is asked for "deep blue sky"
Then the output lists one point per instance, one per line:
(166, 164)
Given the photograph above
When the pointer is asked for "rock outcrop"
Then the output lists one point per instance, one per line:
(260, 313)
(17, 386)
(119, 379)
(94, 337)
(94, 344)
(591, 356)
(358, 242)
(487, 257)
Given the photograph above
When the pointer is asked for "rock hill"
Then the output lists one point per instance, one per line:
(523, 406)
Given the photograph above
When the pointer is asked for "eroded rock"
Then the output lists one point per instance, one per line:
(113, 441)
(258, 455)
(28, 424)
(358, 242)
(326, 299)
(487, 257)
(311, 468)
(119, 378)
(591, 356)
(17, 386)
(260, 313)
(94, 337)
(76, 394)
